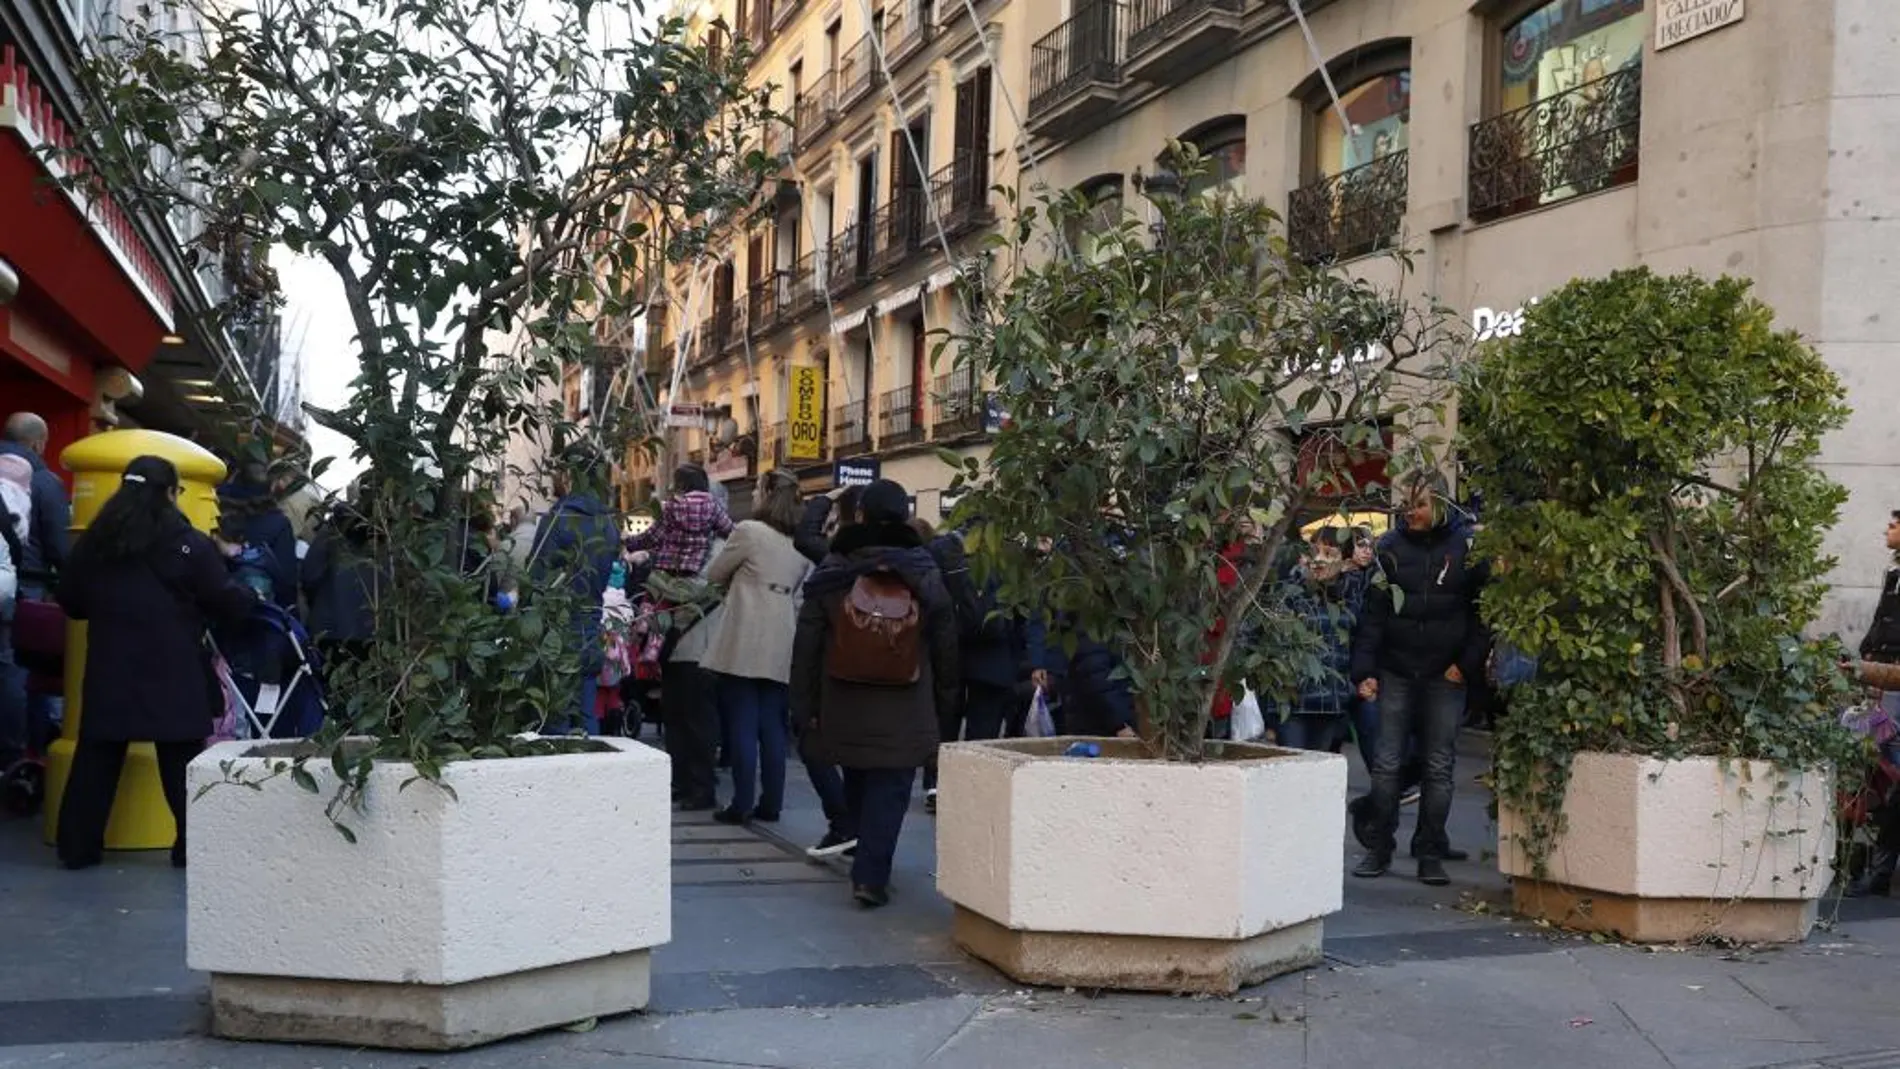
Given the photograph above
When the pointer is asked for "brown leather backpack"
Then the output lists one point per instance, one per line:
(877, 633)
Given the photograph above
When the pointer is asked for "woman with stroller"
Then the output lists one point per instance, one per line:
(148, 585)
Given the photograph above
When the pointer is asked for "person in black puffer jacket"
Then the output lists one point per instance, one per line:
(1413, 653)
(879, 735)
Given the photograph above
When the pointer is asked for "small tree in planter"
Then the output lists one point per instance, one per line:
(1646, 448)
(467, 171)
(1172, 394)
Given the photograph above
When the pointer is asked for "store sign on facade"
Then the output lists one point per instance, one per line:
(686, 414)
(1685, 20)
(1489, 323)
(805, 420)
(857, 472)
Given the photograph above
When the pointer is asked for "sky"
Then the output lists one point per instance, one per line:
(328, 346)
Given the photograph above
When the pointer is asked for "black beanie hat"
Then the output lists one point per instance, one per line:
(885, 502)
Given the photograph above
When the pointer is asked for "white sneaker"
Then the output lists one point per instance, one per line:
(831, 846)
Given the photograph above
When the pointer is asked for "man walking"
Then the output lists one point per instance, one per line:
(43, 553)
(1417, 643)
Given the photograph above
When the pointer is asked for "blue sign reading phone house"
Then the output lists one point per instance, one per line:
(862, 472)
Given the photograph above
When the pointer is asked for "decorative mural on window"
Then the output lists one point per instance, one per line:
(1380, 111)
(1566, 44)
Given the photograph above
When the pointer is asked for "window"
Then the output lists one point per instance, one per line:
(1223, 148)
(1381, 113)
(1103, 195)
(1566, 44)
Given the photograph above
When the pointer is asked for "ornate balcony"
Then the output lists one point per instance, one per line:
(898, 230)
(898, 421)
(1349, 214)
(1582, 141)
(857, 74)
(1169, 40)
(906, 31)
(815, 110)
(804, 286)
(850, 260)
(960, 193)
(849, 432)
(723, 335)
(1075, 71)
(959, 404)
(763, 299)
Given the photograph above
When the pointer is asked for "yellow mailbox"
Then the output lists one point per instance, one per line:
(140, 818)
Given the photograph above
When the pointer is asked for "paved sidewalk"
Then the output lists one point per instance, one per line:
(772, 967)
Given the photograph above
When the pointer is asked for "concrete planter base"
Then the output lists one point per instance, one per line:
(425, 1016)
(1138, 962)
(527, 899)
(1661, 851)
(1130, 873)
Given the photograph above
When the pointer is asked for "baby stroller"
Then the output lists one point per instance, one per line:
(276, 670)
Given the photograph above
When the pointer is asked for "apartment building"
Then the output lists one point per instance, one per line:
(812, 342)
(1517, 144)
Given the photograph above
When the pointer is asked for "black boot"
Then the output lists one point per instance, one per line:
(1877, 879)
(1373, 865)
(1431, 871)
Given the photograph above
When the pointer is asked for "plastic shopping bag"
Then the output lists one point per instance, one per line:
(232, 725)
(1247, 724)
(1038, 723)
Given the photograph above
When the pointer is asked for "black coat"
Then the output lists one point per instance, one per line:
(1435, 624)
(1882, 643)
(857, 726)
(339, 581)
(148, 671)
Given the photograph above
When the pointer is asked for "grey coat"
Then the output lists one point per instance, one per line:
(762, 572)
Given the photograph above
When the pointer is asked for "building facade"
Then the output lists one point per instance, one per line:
(107, 312)
(816, 341)
(1511, 145)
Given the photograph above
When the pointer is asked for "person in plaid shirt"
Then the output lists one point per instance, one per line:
(690, 522)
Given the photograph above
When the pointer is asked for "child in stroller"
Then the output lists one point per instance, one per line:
(277, 672)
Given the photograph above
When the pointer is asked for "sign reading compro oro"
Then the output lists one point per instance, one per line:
(805, 415)
(1683, 20)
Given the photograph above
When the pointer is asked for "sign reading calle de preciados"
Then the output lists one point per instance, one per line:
(1684, 20)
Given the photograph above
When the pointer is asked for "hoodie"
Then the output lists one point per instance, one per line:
(46, 546)
(682, 540)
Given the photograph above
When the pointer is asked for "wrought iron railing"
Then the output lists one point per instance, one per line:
(1085, 49)
(1349, 214)
(802, 286)
(762, 304)
(1576, 142)
(777, 139)
(849, 434)
(815, 109)
(898, 230)
(723, 336)
(1150, 22)
(905, 33)
(857, 73)
(850, 259)
(897, 418)
(959, 404)
(960, 193)
(704, 348)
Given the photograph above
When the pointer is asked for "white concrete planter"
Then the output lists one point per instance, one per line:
(528, 900)
(1130, 873)
(1669, 851)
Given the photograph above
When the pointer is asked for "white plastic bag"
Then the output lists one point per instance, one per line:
(1038, 723)
(1247, 723)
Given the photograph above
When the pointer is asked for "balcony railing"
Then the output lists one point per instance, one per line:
(803, 284)
(763, 298)
(817, 106)
(758, 28)
(776, 141)
(704, 349)
(959, 404)
(849, 434)
(1349, 214)
(723, 318)
(960, 193)
(857, 73)
(898, 229)
(850, 260)
(905, 33)
(1085, 51)
(1152, 23)
(898, 421)
(1581, 141)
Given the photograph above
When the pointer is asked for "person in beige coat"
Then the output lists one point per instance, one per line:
(750, 656)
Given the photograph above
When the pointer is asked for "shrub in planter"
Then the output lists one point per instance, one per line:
(1646, 450)
(1182, 398)
(468, 173)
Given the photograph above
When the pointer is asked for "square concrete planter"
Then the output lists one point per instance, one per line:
(1131, 873)
(529, 899)
(1670, 851)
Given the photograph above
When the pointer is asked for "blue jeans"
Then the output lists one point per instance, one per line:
(828, 782)
(1365, 725)
(753, 716)
(562, 723)
(14, 733)
(1312, 731)
(1431, 710)
(879, 797)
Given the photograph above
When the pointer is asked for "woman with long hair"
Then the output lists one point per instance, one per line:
(148, 585)
(750, 657)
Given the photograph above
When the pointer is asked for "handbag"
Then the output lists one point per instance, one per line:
(39, 636)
